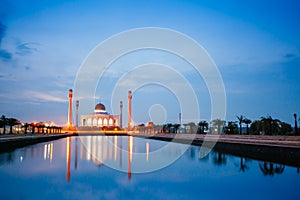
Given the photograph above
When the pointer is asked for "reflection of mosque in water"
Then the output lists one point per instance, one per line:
(106, 149)
(118, 151)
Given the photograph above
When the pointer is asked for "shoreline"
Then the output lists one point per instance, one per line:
(12, 142)
(275, 149)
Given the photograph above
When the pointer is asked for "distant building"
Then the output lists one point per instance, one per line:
(100, 119)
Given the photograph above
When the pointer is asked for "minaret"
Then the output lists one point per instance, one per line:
(77, 106)
(121, 114)
(70, 108)
(129, 110)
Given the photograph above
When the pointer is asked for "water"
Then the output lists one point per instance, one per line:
(103, 167)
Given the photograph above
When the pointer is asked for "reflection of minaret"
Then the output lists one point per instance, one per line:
(76, 153)
(68, 159)
(70, 109)
(129, 110)
(77, 106)
(121, 114)
(129, 156)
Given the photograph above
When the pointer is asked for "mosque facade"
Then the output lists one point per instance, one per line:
(100, 119)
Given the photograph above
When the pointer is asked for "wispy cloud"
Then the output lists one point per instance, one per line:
(40, 96)
(34, 96)
(26, 48)
(5, 55)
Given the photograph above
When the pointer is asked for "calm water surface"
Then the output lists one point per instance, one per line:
(85, 168)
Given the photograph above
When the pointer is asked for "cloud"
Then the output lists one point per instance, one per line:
(290, 55)
(25, 48)
(5, 55)
(30, 96)
(40, 96)
(2, 31)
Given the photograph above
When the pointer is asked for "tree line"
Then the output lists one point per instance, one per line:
(33, 127)
(263, 126)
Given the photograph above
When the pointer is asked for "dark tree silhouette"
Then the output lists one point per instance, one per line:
(219, 158)
(231, 128)
(25, 126)
(12, 122)
(270, 169)
(3, 123)
(285, 128)
(270, 126)
(243, 165)
(219, 124)
(202, 126)
(247, 122)
(241, 121)
(176, 127)
(296, 125)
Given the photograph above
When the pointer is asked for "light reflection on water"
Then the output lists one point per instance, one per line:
(76, 168)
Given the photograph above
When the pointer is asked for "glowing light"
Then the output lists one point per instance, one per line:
(68, 159)
(45, 151)
(51, 152)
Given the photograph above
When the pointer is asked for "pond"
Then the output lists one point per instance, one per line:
(126, 167)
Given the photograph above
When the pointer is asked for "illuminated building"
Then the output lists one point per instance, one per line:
(100, 119)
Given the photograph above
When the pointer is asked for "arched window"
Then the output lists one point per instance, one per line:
(89, 121)
(94, 122)
(110, 121)
(100, 122)
(105, 122)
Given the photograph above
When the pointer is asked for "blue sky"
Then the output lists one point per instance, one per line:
(255, 45)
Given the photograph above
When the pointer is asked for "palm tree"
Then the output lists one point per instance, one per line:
(12, 122)
(219, 124)
(231, 128)
(25, 126)
(247, 122)
(202, 125)
(241, 121)
(296, 127)
(176, 127)
(270, 168)
(3, 123)
(270, 126)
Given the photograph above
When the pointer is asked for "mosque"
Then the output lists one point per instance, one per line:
(100, 119)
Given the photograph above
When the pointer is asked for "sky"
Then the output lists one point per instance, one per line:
(254, 44)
